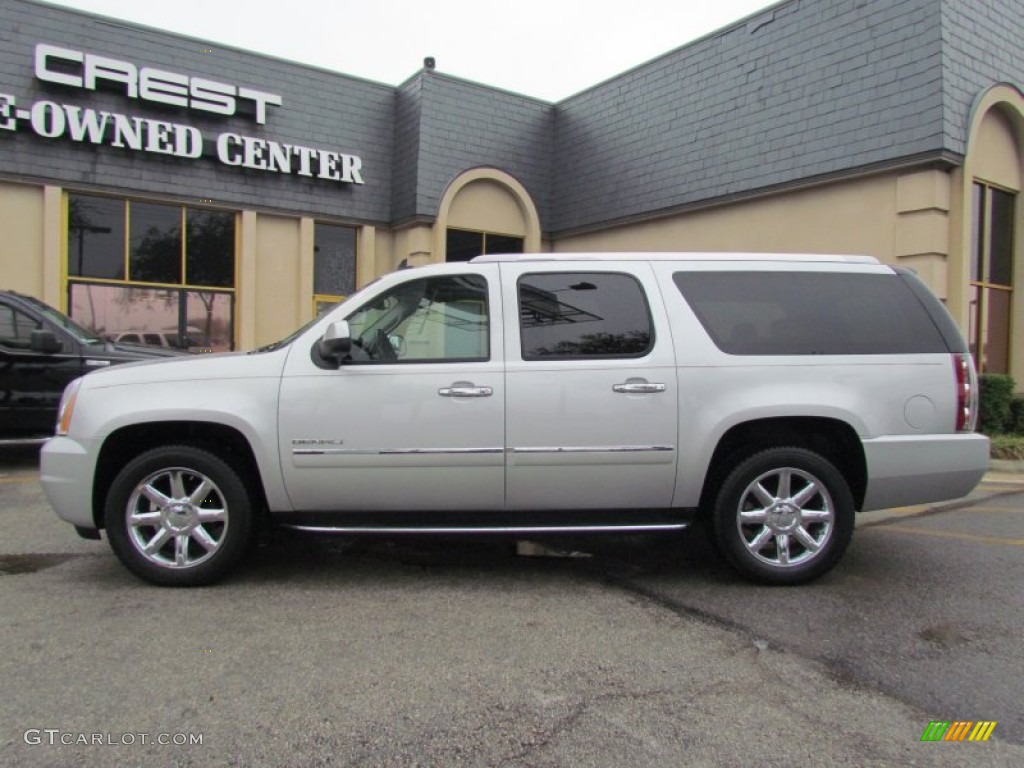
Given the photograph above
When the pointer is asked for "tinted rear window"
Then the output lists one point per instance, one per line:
(564, 316)
(810, 313)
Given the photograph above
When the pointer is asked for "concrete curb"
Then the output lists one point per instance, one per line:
(1006, 466)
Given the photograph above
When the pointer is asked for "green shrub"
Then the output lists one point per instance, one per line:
(1017, 416)
(995, 395)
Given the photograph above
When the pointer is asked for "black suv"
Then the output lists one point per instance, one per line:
(41, 350)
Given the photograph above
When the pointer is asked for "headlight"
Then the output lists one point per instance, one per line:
(67, 406)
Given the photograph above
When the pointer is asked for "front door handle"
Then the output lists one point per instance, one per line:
(638, 388)
(465, 389)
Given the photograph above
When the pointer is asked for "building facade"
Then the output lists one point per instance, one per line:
(157, 184)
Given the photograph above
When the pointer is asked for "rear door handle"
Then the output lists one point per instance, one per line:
(465, 389)
(638, 388)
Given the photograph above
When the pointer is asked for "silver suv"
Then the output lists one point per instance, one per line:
(772, 395)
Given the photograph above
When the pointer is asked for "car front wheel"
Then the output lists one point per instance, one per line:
(784, 516)
(178, 516)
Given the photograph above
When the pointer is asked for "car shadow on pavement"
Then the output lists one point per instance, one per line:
(292, 555)
(19, 457)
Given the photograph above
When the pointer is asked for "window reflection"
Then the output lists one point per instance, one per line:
(992, 253)
(174, 256)
(210, 250)
(583, 314)
(334, 260)
(154, 243)
(464, 244)
(196, 321)
(96, 237)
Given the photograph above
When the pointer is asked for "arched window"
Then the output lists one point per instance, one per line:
(485, 210)
(465, 244)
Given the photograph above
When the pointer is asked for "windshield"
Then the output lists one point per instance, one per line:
(81, 334)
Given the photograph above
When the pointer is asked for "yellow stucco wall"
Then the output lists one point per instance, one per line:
(898, 217)
(488, 206)
(848, 217)
(277, 278)
(21, 222)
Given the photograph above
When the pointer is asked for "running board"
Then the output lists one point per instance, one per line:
(531, 522)
(518, 529)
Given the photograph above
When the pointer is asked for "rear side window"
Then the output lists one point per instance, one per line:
(572, 315)
(810, 313)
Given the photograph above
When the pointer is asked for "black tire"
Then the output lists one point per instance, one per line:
(189, 506)
(778, 535)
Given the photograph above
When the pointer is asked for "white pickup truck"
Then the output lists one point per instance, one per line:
(524, 394)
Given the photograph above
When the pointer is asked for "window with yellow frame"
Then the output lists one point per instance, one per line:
(334, 264)
(466, 244)
(154, 273)
(992, 277)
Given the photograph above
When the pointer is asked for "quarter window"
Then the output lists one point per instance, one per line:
(810, 313)
(575, 315)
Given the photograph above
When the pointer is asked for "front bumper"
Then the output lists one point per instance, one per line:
(919, 469)
(66, 470)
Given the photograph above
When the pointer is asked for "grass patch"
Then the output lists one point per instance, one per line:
(1008, 447)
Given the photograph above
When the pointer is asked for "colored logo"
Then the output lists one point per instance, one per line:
(958, 730)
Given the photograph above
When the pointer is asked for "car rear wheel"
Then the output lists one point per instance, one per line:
(178, 516)
(784, 516)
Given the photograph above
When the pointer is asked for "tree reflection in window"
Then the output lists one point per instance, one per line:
(583, 315)
(178, 289)
(154, 243)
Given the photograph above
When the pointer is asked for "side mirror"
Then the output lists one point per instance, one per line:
(44, 341)
(336, 342)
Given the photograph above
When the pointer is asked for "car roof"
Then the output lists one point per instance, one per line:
(814, 258)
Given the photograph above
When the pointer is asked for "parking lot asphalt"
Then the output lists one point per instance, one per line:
(445, 652)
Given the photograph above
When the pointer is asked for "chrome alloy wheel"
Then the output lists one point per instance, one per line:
(177, 518)
(785, 517)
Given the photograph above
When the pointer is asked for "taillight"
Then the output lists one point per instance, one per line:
(966, 400)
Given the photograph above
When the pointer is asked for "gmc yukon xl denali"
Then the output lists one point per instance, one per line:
(772, 395)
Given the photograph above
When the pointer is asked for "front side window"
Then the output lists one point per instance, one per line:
(437, 319)
(16, 328)
(154, 273)
(593, 315)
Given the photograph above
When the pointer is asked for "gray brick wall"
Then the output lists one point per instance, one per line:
(983, 44)
(465, 125)
(321, 109)
(811, 87)
(408, 106)
(805, 89)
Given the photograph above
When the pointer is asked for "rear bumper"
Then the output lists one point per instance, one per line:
(918, 469)
(66, 471)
